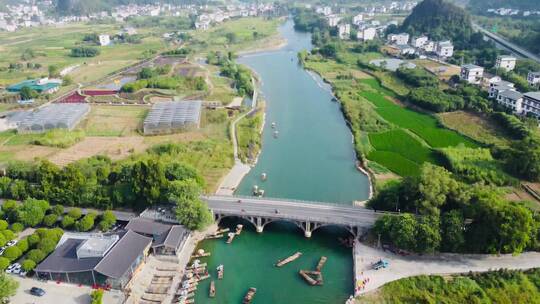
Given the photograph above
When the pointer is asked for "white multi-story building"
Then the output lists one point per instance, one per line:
(344, 31)
(531, 104)
(399, 39)
(533, 78)
(104, 40)
(419, 42)
(444, 49)
(333, 20)
(471, 73)
(429, 46)
(511, 99)
(368, 33)
(506, 63)
(496, 89)
(357, 20)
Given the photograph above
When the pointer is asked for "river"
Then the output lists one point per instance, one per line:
(312, 158)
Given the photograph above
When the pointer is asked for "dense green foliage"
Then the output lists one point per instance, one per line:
(165, 82)
(417, 77)
(514, 127)
(108, 219)
(307, 21)
(502, 286)
(523, 158)
(495, 226)
(190, 210)
(97, 296)
(84, 51)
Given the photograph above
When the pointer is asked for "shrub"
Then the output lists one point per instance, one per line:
(67, 222)
(4, 263)
(33, 240)
(36, 255)
(23, 245)
(97, 296)
(12, 253)
(3, 225)
(28, 265)
(108, 219)
(3, 240)
(84, 51)
(57, 209)
(17, 227)
(50, 220)
(75, 213)
(86, 223)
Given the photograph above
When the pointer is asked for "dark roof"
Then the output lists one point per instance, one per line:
(533, 95)
(64, 259)
(173, 239)
(147, 226)
(122, 255)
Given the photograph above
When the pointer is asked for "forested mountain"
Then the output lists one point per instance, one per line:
(439, 19)
(480, 6)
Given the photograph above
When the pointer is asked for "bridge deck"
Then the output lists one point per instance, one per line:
(293, 210)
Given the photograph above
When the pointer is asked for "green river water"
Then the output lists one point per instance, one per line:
(312, 158)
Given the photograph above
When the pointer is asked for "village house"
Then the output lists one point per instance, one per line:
(333, 20)
(419, 42)
(399, 39)
(496, 88)
(507, 63)
(357, 20)
(368, 33)
(344, 31)
(104, 40)
(444, 49)
(533, 78)
(471, 73)
(511, 99)
(531, 104)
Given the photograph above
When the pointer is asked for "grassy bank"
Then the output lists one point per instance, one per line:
(249, 135)
(501, 287)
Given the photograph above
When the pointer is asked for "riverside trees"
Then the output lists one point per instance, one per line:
(475, 218)
(137, 182)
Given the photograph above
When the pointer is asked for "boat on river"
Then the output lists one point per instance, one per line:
(212, 291)
(220, 272)
(231, 236)
(249, 295)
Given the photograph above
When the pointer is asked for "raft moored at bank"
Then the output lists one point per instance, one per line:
(249, 295)
(289, 259)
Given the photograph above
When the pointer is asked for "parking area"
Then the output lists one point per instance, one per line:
(59, 293)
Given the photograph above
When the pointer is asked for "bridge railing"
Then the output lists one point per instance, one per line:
(315, 203)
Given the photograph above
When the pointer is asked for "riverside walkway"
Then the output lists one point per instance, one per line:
(308, 216)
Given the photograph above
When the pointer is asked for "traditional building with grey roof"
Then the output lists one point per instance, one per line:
(105, 260)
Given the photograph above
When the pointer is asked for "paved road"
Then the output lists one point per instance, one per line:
(512, 46)
(293, 210)
(407, 266)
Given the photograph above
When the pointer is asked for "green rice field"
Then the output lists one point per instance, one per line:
(398, 150)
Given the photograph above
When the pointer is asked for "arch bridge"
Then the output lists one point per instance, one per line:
(308, 216)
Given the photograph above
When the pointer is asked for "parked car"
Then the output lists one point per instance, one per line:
(23, 273)
(11, 243)
(36, 291)
(2, 251)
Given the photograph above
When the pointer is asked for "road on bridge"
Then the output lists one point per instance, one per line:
(293, 210)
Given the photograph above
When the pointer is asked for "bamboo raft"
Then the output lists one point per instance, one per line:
(193, 266)
(239, 228)
(213, 236)
(212, 291)
(307, 275)
(231, 237)
(153, 298)
(202, 255)
(289, 259)
(220, 272)
(321, 263)
(204, 277)
(157, 290)
(249, 295)
(223, 230)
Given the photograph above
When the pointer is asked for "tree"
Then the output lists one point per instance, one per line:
(67, 222)
(36, 255)
(58, 210)
(12, 253)
(190, 210)
(453, 238)
(32, 211)
(3, 225)
(8, 234)
(50, 219)
(231, 37)
(27, 93)
(146, 73)
(47, 245)
(54, 71)
(28, 265)
(428, 236)
(4, 263)
(435, 186)
(524, 158)
(8, 287)
(33, 240)
(23, 245)
(17, 227)
(108, 219)
(3, 240)
(86, 223)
